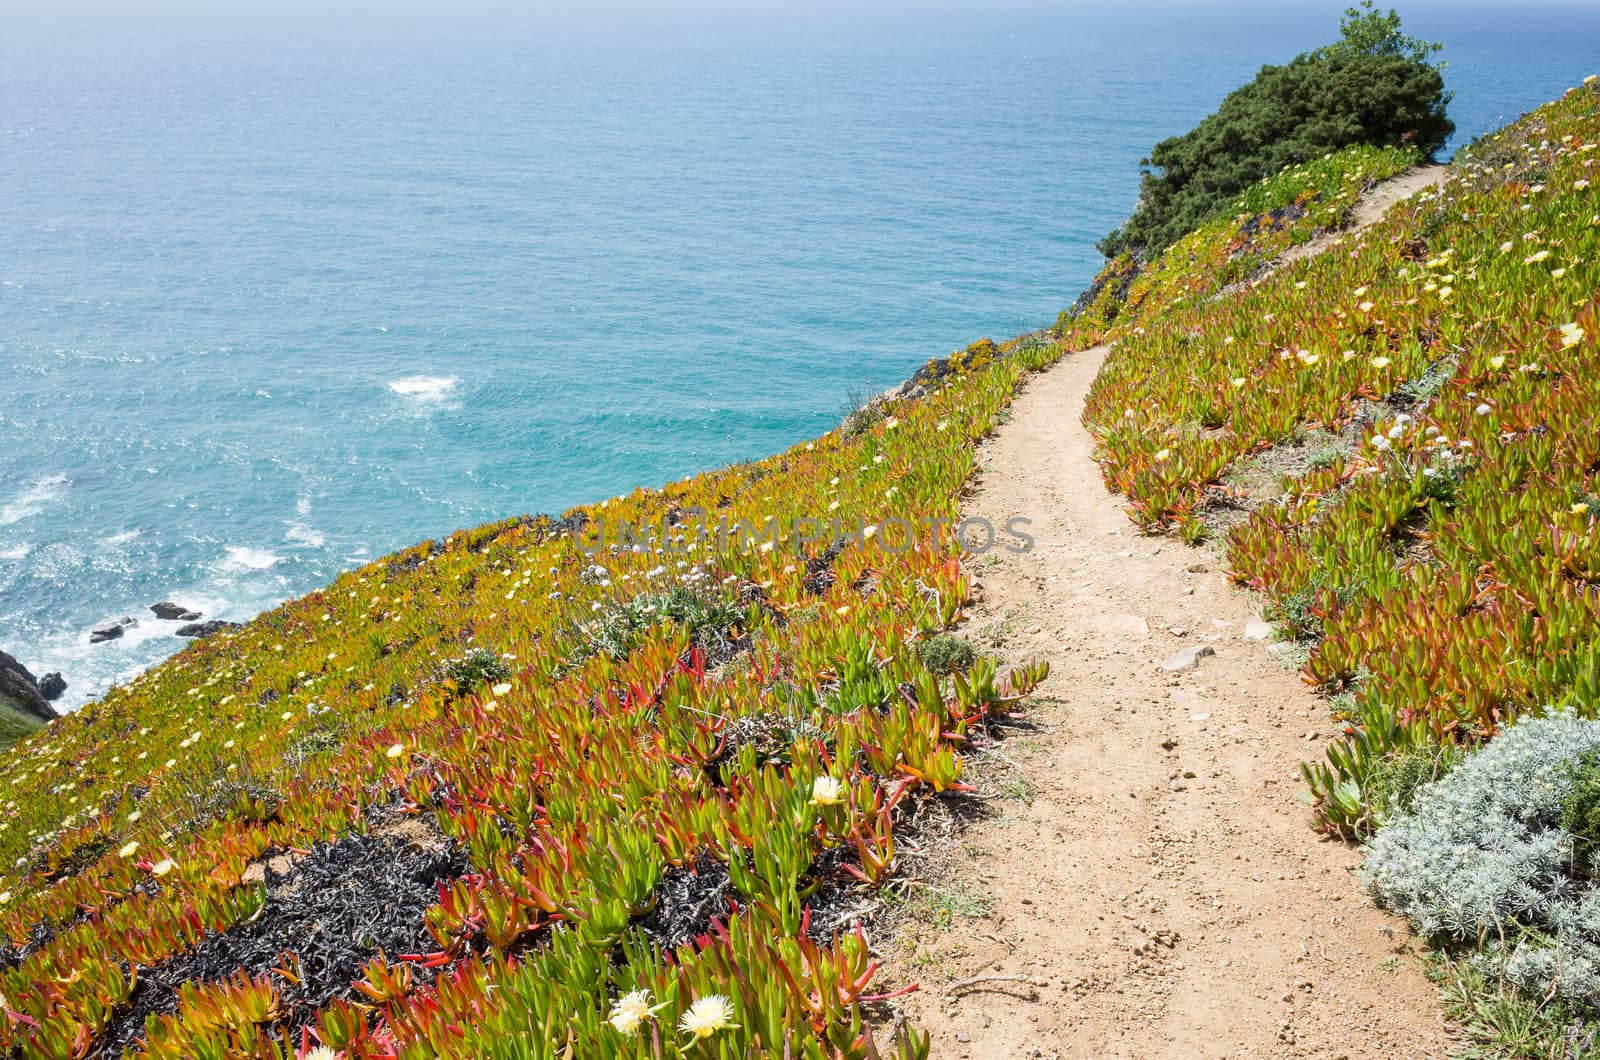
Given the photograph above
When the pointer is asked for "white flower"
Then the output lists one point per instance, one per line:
(129, 849)
(1571, 335)
(1379, 442)
(1482, 410)
(162, 867)
(1380, 362)
(707, 1016)
(322, 1052)
(826, 791)
(630, 1011)
(395, 750)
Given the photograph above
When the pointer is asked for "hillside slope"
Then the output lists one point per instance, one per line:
(610, 785)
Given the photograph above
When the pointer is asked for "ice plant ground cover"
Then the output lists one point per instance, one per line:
(1444, 566)
(640, 788)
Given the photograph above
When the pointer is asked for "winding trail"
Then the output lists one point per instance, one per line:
(1163, 888)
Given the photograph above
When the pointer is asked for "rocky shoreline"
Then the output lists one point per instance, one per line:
(32, 697)
(26, 694)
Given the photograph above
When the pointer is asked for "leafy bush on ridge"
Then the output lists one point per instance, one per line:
(1373, 86)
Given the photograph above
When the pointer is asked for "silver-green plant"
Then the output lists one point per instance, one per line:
(1481, 857)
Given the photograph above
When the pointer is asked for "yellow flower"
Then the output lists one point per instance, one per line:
(1571, 335)
(129, 849)
(502, 688)
(707, 1016)
(1497, 361)
(826, 791)
(1162, 454)
(1380, 362)
(395, 750)
(1580, 508)
(162, 867)
(1237, 380)
(1536, 257)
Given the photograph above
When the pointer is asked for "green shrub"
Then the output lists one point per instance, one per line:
(1580, 812)
(1373, 86)
(475, 669)
(1392, 788)
(946, 652)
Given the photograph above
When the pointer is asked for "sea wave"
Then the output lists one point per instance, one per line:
(424, 387)
(241, 558)
(301, 534)
(32, 499)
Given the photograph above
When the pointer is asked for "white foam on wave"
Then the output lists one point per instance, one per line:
(303, 506)
(301, 534)
(32, 500)
(242, 558)
(16, 552)
(424, 387)
(122, 538)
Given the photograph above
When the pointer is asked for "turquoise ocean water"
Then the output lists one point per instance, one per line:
(281, 293)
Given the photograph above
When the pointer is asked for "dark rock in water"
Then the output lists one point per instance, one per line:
(111, 630)
(169, 611)
(52, 686)
(18, 689)
(189, 616)
(205, 629)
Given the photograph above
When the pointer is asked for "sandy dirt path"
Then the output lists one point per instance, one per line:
(1162, 889)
